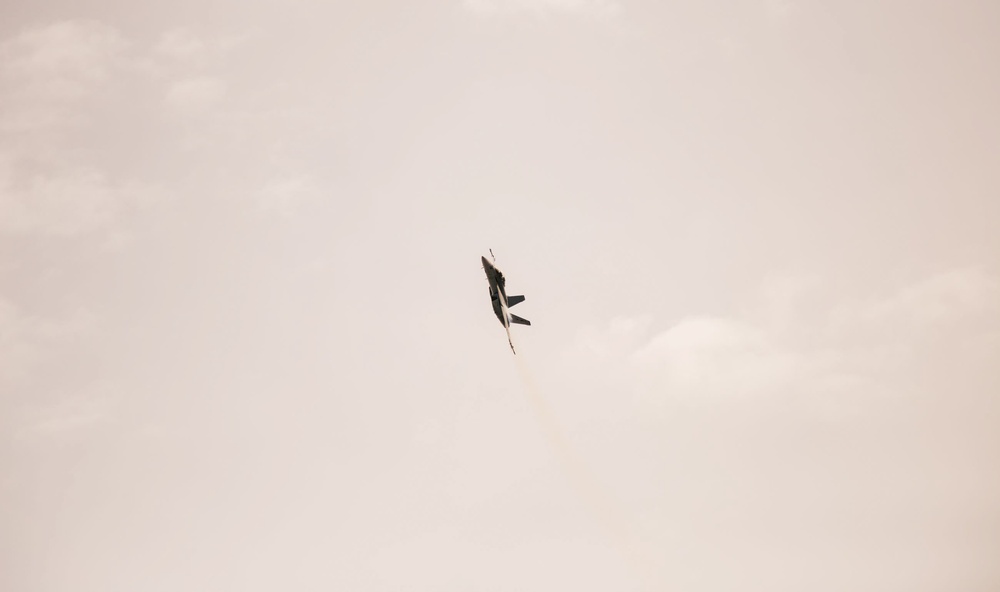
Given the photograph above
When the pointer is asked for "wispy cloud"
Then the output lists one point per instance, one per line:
(45, 71)
(779, 10)
(948, 296)
(25, 339)
(57, 83)
(64, 202)
(67, 414)
(185, 44)
(65, 417)
(180, 43)
(284, 195)
(35, 348)
(705, 359)
(601, 8)
(196, 94)
(18, 350)
(70, 203)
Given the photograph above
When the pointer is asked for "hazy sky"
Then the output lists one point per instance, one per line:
(246, 341)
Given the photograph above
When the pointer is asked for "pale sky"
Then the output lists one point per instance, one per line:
(246, 341)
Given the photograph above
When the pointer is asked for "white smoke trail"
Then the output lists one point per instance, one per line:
(605, 511)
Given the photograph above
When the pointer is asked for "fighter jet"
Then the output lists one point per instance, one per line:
(502, 302)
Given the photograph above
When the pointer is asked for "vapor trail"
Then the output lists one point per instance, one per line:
(607, 514)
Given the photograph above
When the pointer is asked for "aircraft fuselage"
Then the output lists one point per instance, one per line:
(498, 294)
(501, 301)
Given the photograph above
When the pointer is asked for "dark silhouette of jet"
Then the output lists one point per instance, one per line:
(502, 302)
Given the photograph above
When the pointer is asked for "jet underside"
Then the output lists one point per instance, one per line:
(500, 301)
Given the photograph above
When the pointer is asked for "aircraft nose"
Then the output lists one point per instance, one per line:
(486, 263)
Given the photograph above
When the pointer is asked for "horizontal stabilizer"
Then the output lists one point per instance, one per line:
(518, 320)
(512, 300)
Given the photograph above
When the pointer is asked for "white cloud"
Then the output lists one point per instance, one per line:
(782, 297)
(45, 71)
(951, 295)
(50, 78)
(706, 359)
(63, 58)
(286, 194)
(18, 351)
(180, 43)
(599, 8)
(196, 94)
(184, 44)
(779, 10)
(623, 334)
(959, 299)
(35, 401)
(24, 339)
(68, 412)
(65, 203)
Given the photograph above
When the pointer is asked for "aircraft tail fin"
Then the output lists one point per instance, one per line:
(512, 300)
(518, 320)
